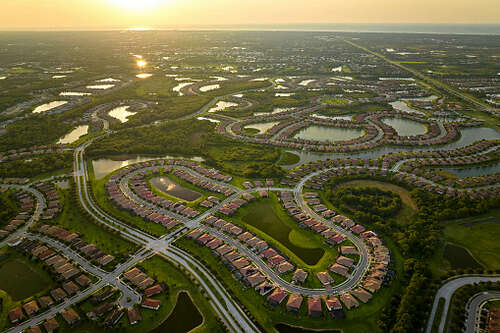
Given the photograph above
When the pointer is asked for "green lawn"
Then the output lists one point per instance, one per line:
(288, 159)
(74, 219)
(305, 248)
(21, 278)
(480, 239)
(360, 320)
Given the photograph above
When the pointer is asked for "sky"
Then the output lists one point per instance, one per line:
(112, 14)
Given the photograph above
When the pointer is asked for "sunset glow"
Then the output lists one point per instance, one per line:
(138, 4)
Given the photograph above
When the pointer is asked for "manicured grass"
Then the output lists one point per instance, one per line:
(288, 158)
(74, 219)
(359, 320)
(305, 248)
(22, 278)
(480, 239)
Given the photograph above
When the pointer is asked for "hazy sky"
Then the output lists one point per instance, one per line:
(26, 14)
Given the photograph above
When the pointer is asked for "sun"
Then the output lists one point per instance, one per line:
(138, 4)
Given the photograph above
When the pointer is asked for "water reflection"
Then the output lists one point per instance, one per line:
(405, 127)
(49, 106)
(74, 135)
(104, 166)
(331, 134)
(121, 113)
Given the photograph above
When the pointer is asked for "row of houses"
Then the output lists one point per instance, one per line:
(472, 149)
(54, 203)
(73, 280)
(70, 316)
(75, 241)
(27, 204)
(119, 199)
(146, 285)
(205, 184)
(20, 153)
(275, 260)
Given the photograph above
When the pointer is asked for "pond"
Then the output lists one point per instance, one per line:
(121, 113)
(275, 110)
(403, 107)
(74, 134)
(215, 121)
(210, 87)
(283, 328)
(178, 87)
(74, 93)
(475, 171)
(109, 79)
(344, 117)
(49, 106)
(262, 127)
(221, 105)
(184, 318)
(101, 86)
(467, 137)
(405, 127)
(459, 257)
(167, 186)
(104, 166)
(331, 134)
(263, 217)
(305, 83)
(143, 76)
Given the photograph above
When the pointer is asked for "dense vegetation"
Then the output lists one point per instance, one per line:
(193, 138)
(8, 207)
(366, 204)
(37, 165)
(37, 130)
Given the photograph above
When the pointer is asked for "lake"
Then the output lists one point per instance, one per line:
(49, 106)
(344, 117)
(475, 171)
(178, 87)
(405, 127)
(121, 113)
(275, 110)
(221, 105)
(101, 86)
(210, 87)
(143, 76)
(167, 186)
(459, 257)
(74, 94)
(104, 166)
(74, 134)
(262, 127)
(184, 318)
(467, 137)
(331, 134)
